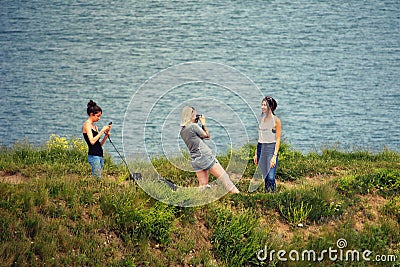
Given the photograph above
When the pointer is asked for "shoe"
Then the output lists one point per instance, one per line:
(234, 191)
(205, 187)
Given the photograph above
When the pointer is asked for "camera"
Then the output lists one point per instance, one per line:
(198, 116)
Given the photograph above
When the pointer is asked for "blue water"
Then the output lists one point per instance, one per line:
(333, 66)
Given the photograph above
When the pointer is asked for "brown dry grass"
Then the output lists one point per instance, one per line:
(12, 177)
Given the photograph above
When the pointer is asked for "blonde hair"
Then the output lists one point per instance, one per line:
(187, 115)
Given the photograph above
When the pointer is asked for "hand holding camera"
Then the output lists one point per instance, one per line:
(201, 118)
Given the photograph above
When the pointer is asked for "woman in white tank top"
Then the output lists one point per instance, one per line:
(269, 139)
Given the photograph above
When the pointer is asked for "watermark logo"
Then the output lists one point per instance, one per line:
(340, 253)
(231, 103)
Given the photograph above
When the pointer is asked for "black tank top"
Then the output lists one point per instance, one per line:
(96, 149)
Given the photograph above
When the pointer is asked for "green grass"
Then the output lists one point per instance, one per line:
(53, 213)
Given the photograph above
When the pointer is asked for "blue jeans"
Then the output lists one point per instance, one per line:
(264, 155)
(97, 164)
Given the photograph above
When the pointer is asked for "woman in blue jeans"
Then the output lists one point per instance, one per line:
(92, 137)
(269, 140)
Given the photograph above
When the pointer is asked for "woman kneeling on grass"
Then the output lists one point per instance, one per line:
(201, 156)
(92, 137)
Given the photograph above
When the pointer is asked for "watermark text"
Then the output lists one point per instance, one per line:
(332, 254)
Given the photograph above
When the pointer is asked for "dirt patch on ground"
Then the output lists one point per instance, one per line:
(202, 239)
(366, 213)
(369, 211)
(12, 177)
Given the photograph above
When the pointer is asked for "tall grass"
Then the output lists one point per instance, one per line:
(55, 213)
(236, 237)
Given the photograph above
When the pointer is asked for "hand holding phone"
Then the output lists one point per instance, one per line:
(107, 131)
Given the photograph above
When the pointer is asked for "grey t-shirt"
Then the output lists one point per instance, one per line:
(191, 136)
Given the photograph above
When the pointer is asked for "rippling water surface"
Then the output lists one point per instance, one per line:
(333, 66)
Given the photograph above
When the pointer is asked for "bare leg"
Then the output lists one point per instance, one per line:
(202, 176)
(221, 174)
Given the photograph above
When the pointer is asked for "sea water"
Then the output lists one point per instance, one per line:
(333, 67)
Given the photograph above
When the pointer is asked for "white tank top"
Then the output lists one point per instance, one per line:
(266, 131)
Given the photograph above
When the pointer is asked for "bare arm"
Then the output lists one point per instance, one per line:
(206, 133)
(278, 141)
(93, 139)
(107, 134)
(255, 159)
(278, 135)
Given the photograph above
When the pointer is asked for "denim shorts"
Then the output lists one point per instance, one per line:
(202, 163)
(97, 164)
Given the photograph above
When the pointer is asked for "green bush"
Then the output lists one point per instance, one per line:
(138, 221)
(165, 168)
(154, 223)
(377, 238)
(291, 164)
(385, 182)
(335, 154)
(296, 214)
(392, 208)
(57, 157)
(325, 201)
(314, 204)
(236, 238)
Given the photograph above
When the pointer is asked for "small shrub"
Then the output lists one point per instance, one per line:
(295, 214)
(392, 208)
(336, 154)
(253, 201)
(166, 168)
(291, 165)
(325, 201)
(56, 157)
(59, 143)
(136, 221)
(385, 182)
(388, 181)
(315, 204)
(373, 238)
(237, 238)
(346, 186)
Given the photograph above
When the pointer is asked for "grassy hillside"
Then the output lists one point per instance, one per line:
(342, 205)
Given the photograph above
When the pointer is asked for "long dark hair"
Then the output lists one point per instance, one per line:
(93, 108)
(271, 103)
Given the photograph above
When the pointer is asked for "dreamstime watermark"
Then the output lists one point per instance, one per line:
(231, 103)
(332, 254)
